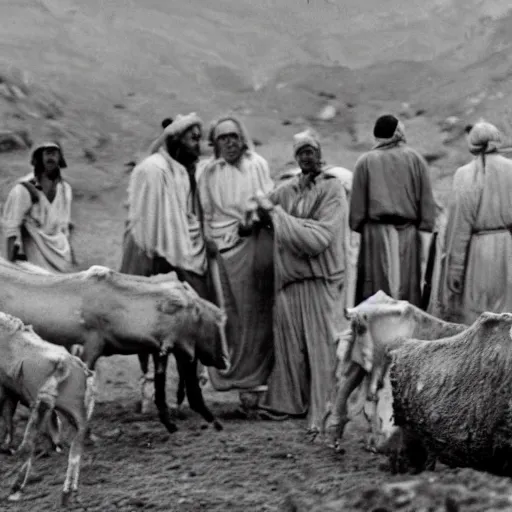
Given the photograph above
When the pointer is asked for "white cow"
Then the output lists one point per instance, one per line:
(375, 326)
(46, 378)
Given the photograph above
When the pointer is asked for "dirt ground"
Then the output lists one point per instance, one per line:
(249, 466)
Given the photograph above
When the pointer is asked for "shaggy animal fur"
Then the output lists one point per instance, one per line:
(453, 394)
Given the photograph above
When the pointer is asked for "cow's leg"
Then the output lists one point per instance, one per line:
(74, 459)
(337, 417)
(180, 396)
(188, 372)
(160, 393)
(146, 382)
(41, 411)
(93, 350)
(8, 404)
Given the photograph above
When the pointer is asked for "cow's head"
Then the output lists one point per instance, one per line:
(374, 325)
(193, 325)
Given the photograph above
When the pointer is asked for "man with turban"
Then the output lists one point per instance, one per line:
(308, 218)
(393, 208)
(163, 231)
(477, 270)
(37, 214)
(226, 184)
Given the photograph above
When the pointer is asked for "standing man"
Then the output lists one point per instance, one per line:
(393, 208)
(308, 219)
(227, 183)
(37, 214)
(477, 270)
(163, 232)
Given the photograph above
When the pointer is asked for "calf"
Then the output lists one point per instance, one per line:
(48, 379)
(375, 325)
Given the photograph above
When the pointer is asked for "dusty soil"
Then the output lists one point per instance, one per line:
(250, 465)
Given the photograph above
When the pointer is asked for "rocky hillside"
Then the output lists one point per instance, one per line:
(99, 76)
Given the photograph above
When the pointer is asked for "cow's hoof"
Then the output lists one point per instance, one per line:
(7, 450)
(171, 427)
(69, 498)
(217, 425)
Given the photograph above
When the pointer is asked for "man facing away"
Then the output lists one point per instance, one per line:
(37, 214)
(393, 208)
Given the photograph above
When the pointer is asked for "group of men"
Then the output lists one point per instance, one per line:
(276, 255)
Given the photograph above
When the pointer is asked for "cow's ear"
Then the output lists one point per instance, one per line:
(363, 347)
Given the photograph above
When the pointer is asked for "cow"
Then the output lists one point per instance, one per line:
(46, 378)
(452, 399)
(110, 313)
(375, 325)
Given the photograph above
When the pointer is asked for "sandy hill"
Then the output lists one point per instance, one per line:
(99, 76)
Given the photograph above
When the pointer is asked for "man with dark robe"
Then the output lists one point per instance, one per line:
(393, 208)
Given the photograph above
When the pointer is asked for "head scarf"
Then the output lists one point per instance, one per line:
(214, 132)
(388, 130)
(306, 138)
(176, 129)
(37, 154)
(484, 138)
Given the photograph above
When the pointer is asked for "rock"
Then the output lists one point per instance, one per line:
(327, 95)
(450, 123)
(406, 111)
(89, 155)
(433, 156)
(328, 113)
(14, 140)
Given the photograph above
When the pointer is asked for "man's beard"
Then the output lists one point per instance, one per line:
(53, 174)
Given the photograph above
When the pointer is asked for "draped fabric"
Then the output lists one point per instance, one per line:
(247, 267)
(390, 260)
(308, 223)
(477, 269)
(161, 218)
(41, 228)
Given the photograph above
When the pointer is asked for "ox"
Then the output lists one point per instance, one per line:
(110, 313)
(375, 325)
(47, 378)
(452, 399)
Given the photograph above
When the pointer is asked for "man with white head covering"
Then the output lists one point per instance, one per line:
(308, 218)
(477, 271)
(226, 183)
(393, 208)
(163, 231)
(352, 238)
(37, 214)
